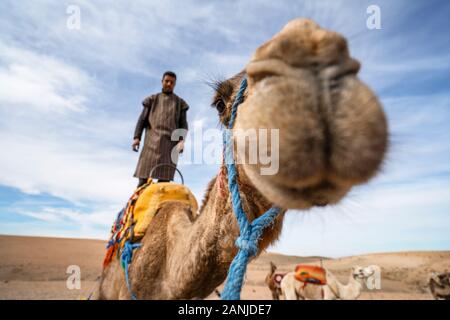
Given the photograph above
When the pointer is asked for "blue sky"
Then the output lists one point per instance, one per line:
(69, 100)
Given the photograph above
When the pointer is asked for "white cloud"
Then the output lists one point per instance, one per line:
(66, 170)
(95, 218)
(41, 82)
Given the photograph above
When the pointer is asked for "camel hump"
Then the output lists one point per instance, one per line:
(153, 197)
(310, 274)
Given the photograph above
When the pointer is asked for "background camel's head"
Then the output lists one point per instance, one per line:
(442, 279)
(358, 273)
(435, 277)
(372, 270)
(332, 129)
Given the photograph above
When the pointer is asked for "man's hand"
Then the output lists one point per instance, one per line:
(180, 146)
(135, 144)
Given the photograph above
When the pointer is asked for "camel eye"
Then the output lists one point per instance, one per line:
(220, 106)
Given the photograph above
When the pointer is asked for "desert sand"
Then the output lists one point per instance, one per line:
(35, 268)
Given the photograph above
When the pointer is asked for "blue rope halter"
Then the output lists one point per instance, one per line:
(250, 233)
(125, 259)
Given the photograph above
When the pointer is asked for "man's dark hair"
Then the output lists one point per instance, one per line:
(170, 74)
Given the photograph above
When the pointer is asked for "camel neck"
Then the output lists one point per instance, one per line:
(209, 246)
(217, 206)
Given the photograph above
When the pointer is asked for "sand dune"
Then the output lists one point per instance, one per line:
(35, 268)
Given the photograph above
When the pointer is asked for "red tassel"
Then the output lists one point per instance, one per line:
(109, 255)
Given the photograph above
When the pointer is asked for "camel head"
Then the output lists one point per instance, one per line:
(370, 271)
(434, 276)
(442, 279)
(332, 131)
(359, 273)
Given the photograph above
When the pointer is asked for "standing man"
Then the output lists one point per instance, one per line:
(163, 113)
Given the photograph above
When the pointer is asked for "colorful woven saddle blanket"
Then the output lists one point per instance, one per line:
(310, 274)
(133, 220)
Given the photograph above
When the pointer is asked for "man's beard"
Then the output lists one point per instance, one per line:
(166, 91)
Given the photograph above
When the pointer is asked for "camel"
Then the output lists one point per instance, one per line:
(273, 281)
(292, 289)
(440, 285)
(332, 136)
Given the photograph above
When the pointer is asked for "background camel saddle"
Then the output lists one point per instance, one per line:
(310, 274)
(151, 199)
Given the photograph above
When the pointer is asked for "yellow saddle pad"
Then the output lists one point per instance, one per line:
(151, 199)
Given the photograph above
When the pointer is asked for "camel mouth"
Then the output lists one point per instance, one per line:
(289, 196)
(359, 275)
(318, 195)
